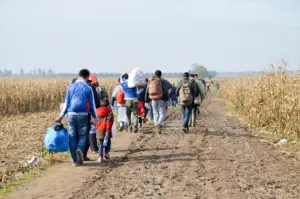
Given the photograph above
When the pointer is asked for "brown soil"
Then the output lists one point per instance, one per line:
(21, 137)
(220, 158)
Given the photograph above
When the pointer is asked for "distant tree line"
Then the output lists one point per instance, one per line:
(5, 72)
(50, 73)
(196, 68)
(202, 71)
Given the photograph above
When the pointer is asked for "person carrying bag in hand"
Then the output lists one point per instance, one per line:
(79, 102)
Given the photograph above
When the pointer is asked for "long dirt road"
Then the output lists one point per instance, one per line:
(219, 159)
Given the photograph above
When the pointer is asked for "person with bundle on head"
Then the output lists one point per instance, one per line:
(131, 98)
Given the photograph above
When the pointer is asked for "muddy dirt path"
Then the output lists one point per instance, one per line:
(219, 159)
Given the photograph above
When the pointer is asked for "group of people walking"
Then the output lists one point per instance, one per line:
(88, 108)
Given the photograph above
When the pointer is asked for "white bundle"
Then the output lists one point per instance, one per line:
(137, 76)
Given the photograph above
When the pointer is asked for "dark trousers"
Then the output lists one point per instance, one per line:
(93, 142)
(102, 148)
(194, 109)
(87, 144)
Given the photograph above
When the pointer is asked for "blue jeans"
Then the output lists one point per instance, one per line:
(159, 111)
(78, 130)
(101, 147)
(186, 113)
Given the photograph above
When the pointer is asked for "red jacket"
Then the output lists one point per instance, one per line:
(106, 121)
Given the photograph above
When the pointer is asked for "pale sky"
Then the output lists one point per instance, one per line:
(171, 35)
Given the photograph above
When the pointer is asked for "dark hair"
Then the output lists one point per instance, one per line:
(89, 82)
(119, 80)
(158, 73)
(74, 80)
(147, 80)
(186, 74)
(84, 73)
(125, 76)
(192, 75)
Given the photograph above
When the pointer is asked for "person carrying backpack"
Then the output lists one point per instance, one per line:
(203, 82)
(185, 91)
(131, 99)
(79, 99)
(118, 96)
(202, 92)
(104, 125)
(157, 91)
(198, 98)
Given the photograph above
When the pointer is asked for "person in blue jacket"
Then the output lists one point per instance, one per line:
(79, 102)
(131, 98)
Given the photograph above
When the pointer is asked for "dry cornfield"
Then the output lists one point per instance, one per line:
(270, 102)
(29, 95)
(28, 106)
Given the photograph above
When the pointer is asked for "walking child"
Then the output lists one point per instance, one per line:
(104, 125)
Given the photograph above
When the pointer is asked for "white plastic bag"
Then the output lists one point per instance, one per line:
(135, 77)
(114, 130)
(93, 129)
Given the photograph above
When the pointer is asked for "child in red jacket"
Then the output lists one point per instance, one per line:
(104, 126)
(141, 112)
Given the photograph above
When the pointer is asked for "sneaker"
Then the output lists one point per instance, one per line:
(79, 156)
(121, 128)
(87, 159)
(135, 130)
(107, 156)
(158, 129)
(185, 130)
(100, 159)
(75, 164)
(145, 120)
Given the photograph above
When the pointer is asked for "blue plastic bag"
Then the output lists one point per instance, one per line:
(56, 141)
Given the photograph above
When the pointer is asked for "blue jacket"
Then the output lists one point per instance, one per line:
(130, 93)
(79, 94)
